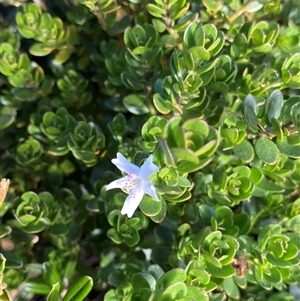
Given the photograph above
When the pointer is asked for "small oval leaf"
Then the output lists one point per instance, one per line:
(266, 150)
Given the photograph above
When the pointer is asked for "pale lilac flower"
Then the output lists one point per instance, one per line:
(136, 183)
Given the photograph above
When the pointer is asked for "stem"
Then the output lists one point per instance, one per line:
(239, 12)
(258, 215)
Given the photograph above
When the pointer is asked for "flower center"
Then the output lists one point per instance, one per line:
(132, 181)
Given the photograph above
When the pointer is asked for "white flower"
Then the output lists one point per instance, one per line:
(136, 182)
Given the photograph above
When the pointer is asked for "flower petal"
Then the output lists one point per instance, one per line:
(150, 190)
(148, 168)
(120, 183)
(133, 201)
(123, 164)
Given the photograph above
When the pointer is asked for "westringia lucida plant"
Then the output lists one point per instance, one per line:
(197, 105)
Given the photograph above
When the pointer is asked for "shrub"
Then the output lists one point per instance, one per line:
(208, 92)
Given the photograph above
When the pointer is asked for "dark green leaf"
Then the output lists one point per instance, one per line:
(287, 149)
(7, 116)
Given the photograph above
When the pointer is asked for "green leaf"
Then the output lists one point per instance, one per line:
(193, 36)
(168, 41)
(200, 236)
(30, 196)
(4, 231)
(287, 149)
(273, 275)
(200, 274)
(250, 101)
(210, 238)
(155, 11)
(208, 149)
(135, 104)
(277, 129)
(161, 104)
(244, 151)
(37, 287)
(116, 278)
(170, 277)
(118, 125)
(174, 292)
(265, 233)
(231, 288)
(63, 55)
(269, 186)
(7, 116)
(266, 150)
(79, 290)
(197, 126)
(231, 134)
(2, 262)
(114, 235)
(280, 262)
(141, 50)
(251, 118)
(46, 21)
(131, 81)
(156, 271)
(212, 4)
(293, 139)
(290, 252)
(158, 218)
(242, 220)
(199, 53)
(274, 105)
(258, 37)
(40, 49)
(210, 31)
(50, 274)
(264, 48)
(143, 280)
(159, 25)
(206, 212)
(212, 260)
(217, 46)
(195, 293)
(54, 293)
(27, 33)
(189, 60)
(149, 206)
(220, 272)
(254, 6)
(182, 154)
(178, 11)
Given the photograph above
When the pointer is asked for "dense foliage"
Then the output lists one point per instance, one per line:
(211, 89)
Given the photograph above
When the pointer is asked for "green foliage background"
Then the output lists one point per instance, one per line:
(211, 88)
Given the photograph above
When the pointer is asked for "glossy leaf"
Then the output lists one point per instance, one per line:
(54, 293)
(80, 289)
